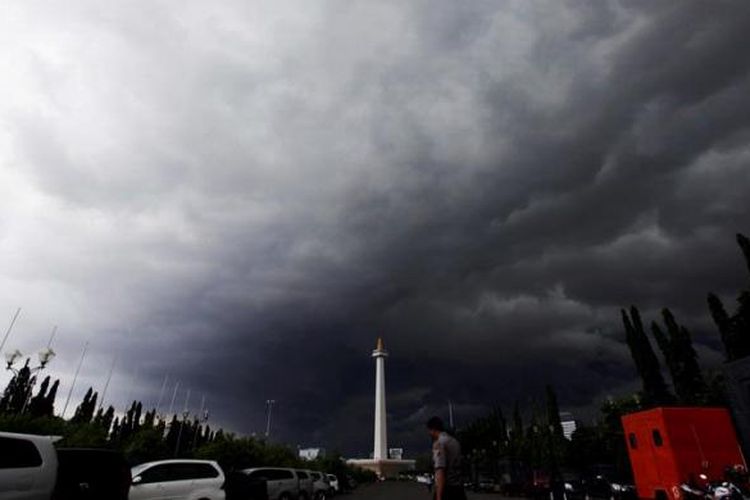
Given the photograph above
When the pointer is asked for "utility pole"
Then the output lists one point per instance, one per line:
(269, 409)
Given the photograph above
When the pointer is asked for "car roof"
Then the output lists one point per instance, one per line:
(144, 466)
(31, 437)
(269, 468)
(179, 461)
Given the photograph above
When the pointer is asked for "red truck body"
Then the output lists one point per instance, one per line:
(669, 446)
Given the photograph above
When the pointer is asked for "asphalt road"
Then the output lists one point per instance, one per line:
(402, 490)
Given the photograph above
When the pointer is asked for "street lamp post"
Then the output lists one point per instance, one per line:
(45, 356)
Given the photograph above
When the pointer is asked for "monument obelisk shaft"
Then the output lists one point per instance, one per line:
(380, 463)
(380, 448)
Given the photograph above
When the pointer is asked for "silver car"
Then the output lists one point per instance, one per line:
(306, 488)
(321, 487)
(281, 484)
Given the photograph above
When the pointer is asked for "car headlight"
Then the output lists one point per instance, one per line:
(568, 487)
(617, 487)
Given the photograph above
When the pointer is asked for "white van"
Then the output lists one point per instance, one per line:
(28, 466)
(178, 480)
(281, 484)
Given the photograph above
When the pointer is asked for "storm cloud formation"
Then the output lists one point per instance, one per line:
(244, 195)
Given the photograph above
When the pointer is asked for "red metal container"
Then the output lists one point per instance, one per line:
(668, 446)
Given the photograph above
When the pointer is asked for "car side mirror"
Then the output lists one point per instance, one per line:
(137, 480)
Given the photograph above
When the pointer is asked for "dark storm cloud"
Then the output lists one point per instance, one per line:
(244, 196)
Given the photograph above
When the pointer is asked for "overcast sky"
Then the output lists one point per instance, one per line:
(243, 195)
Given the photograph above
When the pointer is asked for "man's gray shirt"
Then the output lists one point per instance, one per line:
(446, 454)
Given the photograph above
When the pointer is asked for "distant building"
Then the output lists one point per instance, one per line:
(396, 453)
(311, 453)
(569, 424)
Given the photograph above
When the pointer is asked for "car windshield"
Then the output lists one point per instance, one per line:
(135, 471)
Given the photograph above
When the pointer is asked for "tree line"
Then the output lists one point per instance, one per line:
(143, 435)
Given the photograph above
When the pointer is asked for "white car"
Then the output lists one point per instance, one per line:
(333, 481)
(281, 484)
(28, 466)
(178, 480)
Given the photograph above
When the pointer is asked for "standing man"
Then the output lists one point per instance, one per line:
(446, 457)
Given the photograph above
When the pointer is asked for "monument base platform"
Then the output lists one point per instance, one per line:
(385, 469)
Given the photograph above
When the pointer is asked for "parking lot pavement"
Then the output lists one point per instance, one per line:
(402, 490)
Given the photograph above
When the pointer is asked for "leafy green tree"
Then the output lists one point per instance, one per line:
(84, 413)
(17, 392)
(49, 402)
(744, 243)
(517, 434)
(677, 347)
(734, 329)
(233, 453)
(146, 445)
(37, 405)
(557, 444)
(655, 391)
(553, 413)
(85, 435)
(104, 419)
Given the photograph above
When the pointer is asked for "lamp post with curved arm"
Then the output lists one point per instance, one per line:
(45, 356)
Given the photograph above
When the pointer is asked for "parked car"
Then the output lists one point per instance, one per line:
(178, 480)
(321, 488)
(281, 484)
(240, 486)
(333, 482)
(28, 466)
(32, 469)
(485, 484)
(598, 487)
(306, 488)
(91, 474)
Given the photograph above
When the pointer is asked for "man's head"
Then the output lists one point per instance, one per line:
(435, 427)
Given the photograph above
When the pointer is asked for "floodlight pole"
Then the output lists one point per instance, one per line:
(269, 409)
(185, 415)
(10, 328)
(75, 378)
(202, 417)
(174, 396)
(161, 393)
(106, 384)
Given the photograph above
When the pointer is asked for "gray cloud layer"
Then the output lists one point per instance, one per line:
(243, 195)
